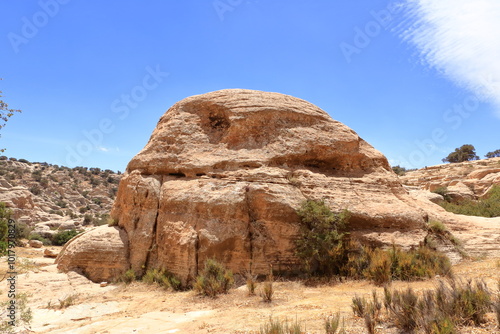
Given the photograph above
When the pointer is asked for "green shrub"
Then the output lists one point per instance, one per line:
(251, 282)
(62, 237)
(5, 215)
(35, 189)
(101, 220)
(436, 227)
(322, 239)
(214, 279)
(36, 236)
(24, 314)
(383, 266)
(443, 191)
(87, 219)
(267, 291)
(113, 221)
(359, 306)
(380, 267)
(332, 323)
(163, 278)
(441, 310)
(489, 206)
(127, 277)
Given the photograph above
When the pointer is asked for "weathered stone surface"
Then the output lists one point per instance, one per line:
(465, 180)
(35, 244)
(18, 199)
(50, 253)
(224, 172)
(100, 254)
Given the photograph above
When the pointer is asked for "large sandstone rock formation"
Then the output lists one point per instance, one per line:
(224, 172)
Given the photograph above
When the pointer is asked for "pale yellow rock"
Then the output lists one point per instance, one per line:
(50, 253)
(35, 244)
(100, 254)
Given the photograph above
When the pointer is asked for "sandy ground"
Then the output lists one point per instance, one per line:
(141, 308)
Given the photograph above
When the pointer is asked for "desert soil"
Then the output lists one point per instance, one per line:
(141, 308)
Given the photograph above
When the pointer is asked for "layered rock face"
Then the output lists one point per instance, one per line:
(465, 180)
(100, 254)
(223, 174)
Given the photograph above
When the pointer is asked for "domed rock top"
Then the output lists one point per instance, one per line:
(223, 174)
(236, 128)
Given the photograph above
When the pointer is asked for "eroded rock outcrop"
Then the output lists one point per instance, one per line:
(224, 172)
(100, 254)
(465, 180)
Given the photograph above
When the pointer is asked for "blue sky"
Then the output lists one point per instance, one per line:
(415, 78)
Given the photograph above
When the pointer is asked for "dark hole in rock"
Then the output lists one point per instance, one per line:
(177, 174)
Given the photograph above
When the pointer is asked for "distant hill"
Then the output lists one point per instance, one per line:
(39, 192)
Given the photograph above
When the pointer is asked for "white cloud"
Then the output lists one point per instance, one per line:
(459, 38)
(103, 149)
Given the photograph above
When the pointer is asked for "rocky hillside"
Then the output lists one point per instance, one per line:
(46, 196)
(465, 180)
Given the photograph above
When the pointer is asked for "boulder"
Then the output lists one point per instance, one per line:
(223, 174)
(100, 254)
(50, 253)
(460, 192)
(36, 244)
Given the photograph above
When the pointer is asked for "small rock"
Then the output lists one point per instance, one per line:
(50, 253)
(22, 243)
(103, 284)
(36, 244)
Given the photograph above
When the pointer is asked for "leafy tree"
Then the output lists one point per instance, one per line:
(5, 113)
(493, 154)
(464, 153)
(322, 242)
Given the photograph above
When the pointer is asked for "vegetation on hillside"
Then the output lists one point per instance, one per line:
(463, 153)
(325, 249)
(76, 193)
(489, 206)
(493, 154)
